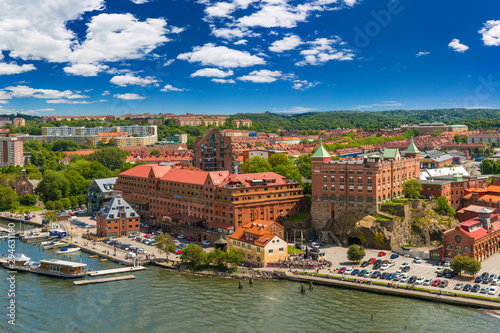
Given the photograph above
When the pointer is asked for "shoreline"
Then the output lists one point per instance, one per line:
(334, 281)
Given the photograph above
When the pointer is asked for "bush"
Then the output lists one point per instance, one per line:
(355, 253)
(28, 200)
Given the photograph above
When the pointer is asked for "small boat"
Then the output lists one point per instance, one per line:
(104, 259)
(66, 250)
(35, 235)
(53, 244)
(94, 256)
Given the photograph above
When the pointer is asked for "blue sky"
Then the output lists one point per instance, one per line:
(80, 57)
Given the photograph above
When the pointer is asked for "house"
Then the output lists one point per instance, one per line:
(261, 241)
(117, 218)
(24, 185)
(100, 193)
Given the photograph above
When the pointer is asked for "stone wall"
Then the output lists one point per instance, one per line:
(321, 213)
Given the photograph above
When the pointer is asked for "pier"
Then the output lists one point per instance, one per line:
(103, 280)
(116, 270)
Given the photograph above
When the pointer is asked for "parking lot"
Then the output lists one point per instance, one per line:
(426, 270)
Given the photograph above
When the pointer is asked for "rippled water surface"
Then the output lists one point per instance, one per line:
(162, 301)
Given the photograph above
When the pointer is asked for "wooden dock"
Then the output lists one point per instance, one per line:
(103, 280)
(116, 270)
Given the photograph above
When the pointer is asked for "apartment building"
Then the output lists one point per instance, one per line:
(4, 121)
(117, 218)
(80, 139)
(212, 152)
(237, 123)
(205, 200)
(130, 141)
(11, 151)
(100, 193)
(359, 184)
(134, 129)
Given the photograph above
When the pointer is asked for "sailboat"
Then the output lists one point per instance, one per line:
(67, 250)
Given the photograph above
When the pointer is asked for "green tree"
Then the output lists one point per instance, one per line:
(234, 256)
(155, 152)
(192, 254)
(412, 189)
(32, 172)
(51, 216)
(8, 199)
(355, 253)
(53, 186)
(473, 267)
(77, 184)
(28, 200)
(112, 158)
(443, 207)
(457, 138)
(58, 205)
(218, 258)
(74, 201)
(459, 264)
(303, 163)
(50, 205)
(256, 164)
(165, 244)
(66, 203)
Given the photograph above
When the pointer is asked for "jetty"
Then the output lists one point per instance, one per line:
(116, 271)
(103, 280)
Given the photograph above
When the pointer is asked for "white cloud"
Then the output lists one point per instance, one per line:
(321, 51)
(295, 109)
(105, 93)
(221, 56)
(389, 103)
(261, 76)
(223, 81)
(3, 102)
(85, 69)
(131, 80)
(212, 72)
(230, 33)
(303, 84)
(129, 97)
(457, 46)
(25, 91)
(65, 101)
(276, 15)
(286, 44)
(359, 107)
(13, 68)
(220, 9)
(169, 87)
(422, 53)
(241, 42)
(491, 33)
(168, 62)
(350, 2)
(139, 2)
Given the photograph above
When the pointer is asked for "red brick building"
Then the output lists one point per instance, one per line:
(478, 238)
(482, 194)
(117, 218)
(362, 184)
(209, 199)
(212, 152)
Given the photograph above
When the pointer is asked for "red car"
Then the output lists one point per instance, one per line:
(385, 262)
(372, 260)
(178, 252)
(436, 283)
(342, 270)
(381, 254)
(190, 239)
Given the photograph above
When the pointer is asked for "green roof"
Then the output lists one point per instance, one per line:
(320, 153)
(412, 149)
(390, 152)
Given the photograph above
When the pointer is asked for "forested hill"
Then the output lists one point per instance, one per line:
(474, 118)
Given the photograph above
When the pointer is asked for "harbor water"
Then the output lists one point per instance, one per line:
(159, 300)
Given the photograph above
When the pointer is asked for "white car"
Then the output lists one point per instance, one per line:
(348, 271)
(493, 290)
(315, 245)
(206, 243)
(176, 242)
(368, 274)
(494, 282)
(420, 280)
(446, 264)
(403, 265)
(392, 263)
(384, 267)
(438, 270)
(142, 251)
(417, 260)
(181, 236)
(427, 282)
(404, 279)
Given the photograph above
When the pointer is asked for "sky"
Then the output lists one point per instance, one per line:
(95, 57)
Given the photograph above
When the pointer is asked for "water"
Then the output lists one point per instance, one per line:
(162, 301)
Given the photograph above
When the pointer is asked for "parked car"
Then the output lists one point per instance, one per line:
(443, 284)
(403, 265)
(348, 271)
(181, 237)
(458, 286)
(365, 263)
(494, 282)
(355, 272)
(446, 264)
(367, 274)
(178, 251)
(375, 275)
(384, 267)
(417, 260)
(315, 245)
(391, 263)
(206, 243)
(406, 269)
(342, 270)
(372, 260)
(191, 239)
(436, 283)
(381, 254)
(394, 256)
(412, 279)
(362, 273)
(404, 279)
(475, 288)
(142, 251)
(484, 290)
(467, 287)
(492, 291)
(438, 270)
(312, 239)
(478, 279)
(384, 275)
(130, 255)
(491, 278)
(377, 266)
(427, 282)
(390, 276)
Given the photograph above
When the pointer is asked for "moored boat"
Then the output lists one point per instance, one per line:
(66, 250)
(52, 267)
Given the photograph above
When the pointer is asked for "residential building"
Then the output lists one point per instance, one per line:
(4, 121)
(212, 152)
(100, 193)
(66, 131)
(359, 184)
(431, 128)
(216, 200)
(90, 140)
(18, 122)
(435, 159)
(237, 123)
(107, 137)
(478, 238)
(11, 151)
(188, 122)
(132, 141)
(262, 242)
(24, 185)
(117, 218)
(264, 153)
(484, 137)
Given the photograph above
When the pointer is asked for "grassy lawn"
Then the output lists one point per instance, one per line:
(292, 249)
(299, 217)
(22, 209)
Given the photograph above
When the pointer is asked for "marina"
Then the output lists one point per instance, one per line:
(103, 280)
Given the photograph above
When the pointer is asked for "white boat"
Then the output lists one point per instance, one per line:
(53, 244)
(35, 235)
(66, 250)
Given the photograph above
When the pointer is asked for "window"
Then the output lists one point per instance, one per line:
(249, 247)
(360, 181)
(332, 198)
(332, 188)
(258, 249)
(466, 249)
(341, 181)
(332, 179)
(325, 187)
(325, 179)
(351, 199)
(270, 251)
(341, 198)
(281, 250)
(360, 199)
(449, 247)
(351, 181)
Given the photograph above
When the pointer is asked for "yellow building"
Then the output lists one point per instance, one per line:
(241, 122)
(135, 141)
(261, 241)
(107, 137)
(18, 122)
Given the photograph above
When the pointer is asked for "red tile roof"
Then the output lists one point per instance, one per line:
(142, 171)
(186, 176)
